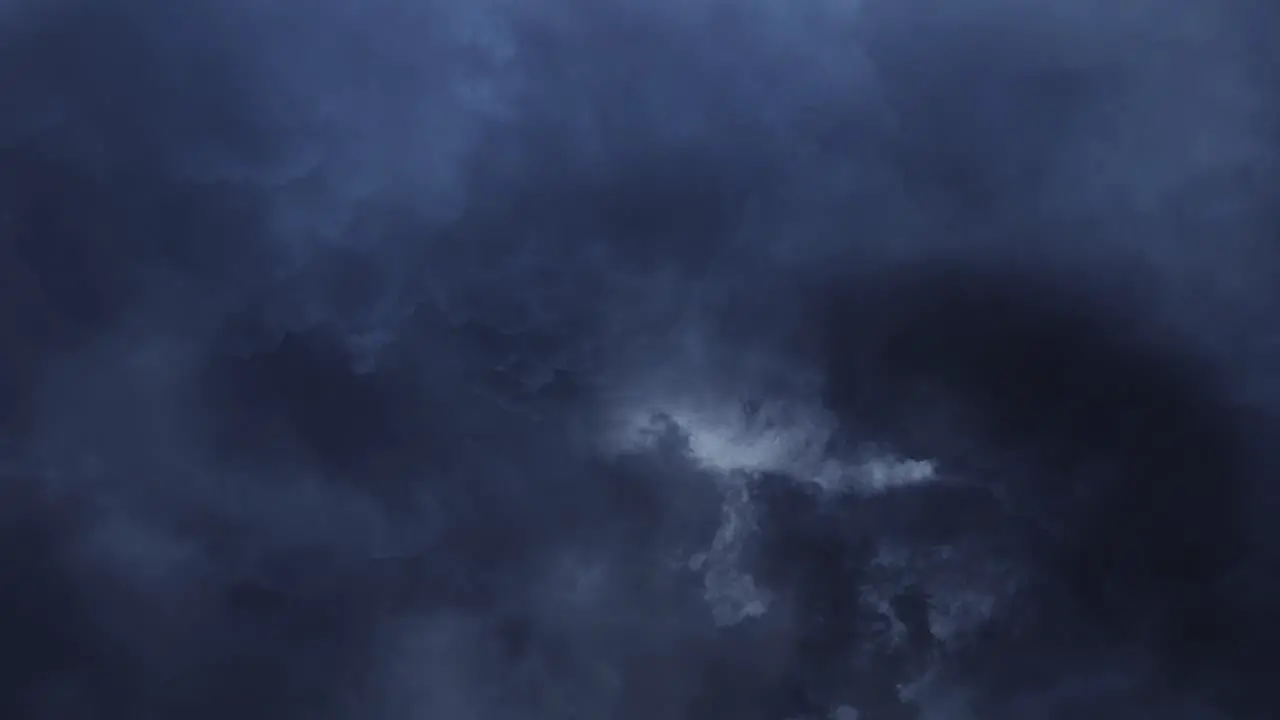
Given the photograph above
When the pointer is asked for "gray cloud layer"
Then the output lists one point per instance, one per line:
(492, 359)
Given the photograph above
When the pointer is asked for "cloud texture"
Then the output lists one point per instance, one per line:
(413, 359)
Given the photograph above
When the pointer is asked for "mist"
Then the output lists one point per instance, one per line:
(414, 360)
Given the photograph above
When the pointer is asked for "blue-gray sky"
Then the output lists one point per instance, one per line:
(413, 359)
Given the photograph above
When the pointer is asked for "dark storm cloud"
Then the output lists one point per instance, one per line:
(452, 360)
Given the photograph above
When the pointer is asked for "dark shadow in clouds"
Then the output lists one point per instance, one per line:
(1128, 462)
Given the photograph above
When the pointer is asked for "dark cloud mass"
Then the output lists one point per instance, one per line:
(425, 360)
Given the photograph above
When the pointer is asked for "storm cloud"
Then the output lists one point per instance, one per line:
(689, 359)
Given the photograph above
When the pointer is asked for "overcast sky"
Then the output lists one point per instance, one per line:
(689, 359)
